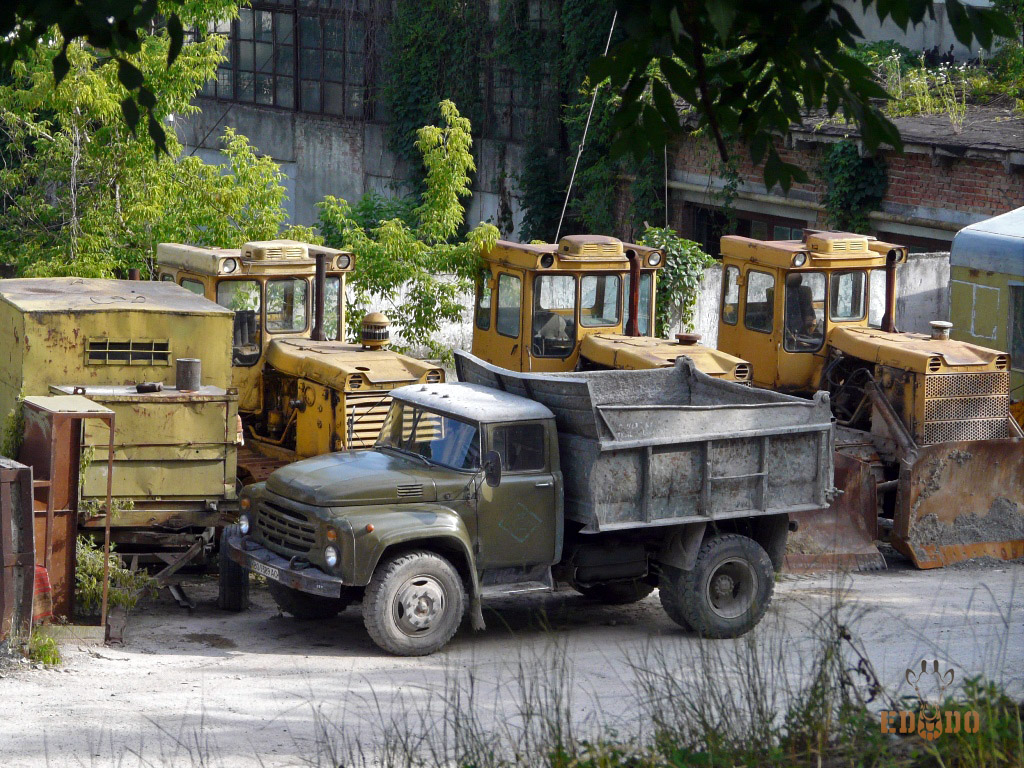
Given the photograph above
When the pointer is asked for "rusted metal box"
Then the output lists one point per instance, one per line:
(17, 556)
(175, 452)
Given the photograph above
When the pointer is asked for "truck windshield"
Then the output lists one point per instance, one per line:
(436, 438)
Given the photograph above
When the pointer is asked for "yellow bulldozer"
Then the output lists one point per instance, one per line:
(302, 391)
(585, 303)
(925, 444)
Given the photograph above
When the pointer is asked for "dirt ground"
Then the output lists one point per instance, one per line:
(259, 688)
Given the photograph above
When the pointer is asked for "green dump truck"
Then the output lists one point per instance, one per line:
(611, 482)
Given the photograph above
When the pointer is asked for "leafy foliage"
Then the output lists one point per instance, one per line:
(419, 268)
(43, 649)
(83, 196)
(855, 186)
(678, 281)
(433, 54)
(783, 58)
(117, 27)
(125, 588)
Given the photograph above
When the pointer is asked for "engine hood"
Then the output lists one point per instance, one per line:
(364, 477)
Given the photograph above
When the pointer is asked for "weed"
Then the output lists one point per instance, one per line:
(43, 649)
(126, 586)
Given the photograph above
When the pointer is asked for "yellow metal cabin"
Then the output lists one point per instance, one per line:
(570, 305)
(302, 390)
(175, 452)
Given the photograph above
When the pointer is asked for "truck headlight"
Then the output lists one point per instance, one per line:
(243, 524)
(331, 556)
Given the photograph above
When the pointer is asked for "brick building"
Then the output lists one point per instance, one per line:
(942, 182)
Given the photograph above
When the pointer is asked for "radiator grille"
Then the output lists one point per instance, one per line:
(953, 431)
(364, 416)
(967, 384)
(966, 408)
(284, 530)
(742, 372)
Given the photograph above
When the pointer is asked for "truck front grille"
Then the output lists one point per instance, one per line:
(284, 530)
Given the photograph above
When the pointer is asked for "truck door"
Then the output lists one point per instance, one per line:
(516, 522)
(759, 335)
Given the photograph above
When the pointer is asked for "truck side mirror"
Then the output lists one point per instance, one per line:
(491, 466)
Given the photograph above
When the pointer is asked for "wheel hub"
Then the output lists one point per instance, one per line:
(418, 605)
(731, 587)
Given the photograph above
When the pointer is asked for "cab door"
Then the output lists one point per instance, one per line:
(757, 329)
(498, 326)
(517, 521)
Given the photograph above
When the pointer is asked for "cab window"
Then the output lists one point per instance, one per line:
(876, 297)
(483, 300)
(644, 315)
(599, 300)
(554, 324)
(510, 305)
(731, 296)
(759, 314)
(332, 308)
(287, 310)
(521, 447)
(192, 285)
(242, 296)
(846, 296)
(805, 308)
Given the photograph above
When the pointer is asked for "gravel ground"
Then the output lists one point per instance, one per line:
(212, 688)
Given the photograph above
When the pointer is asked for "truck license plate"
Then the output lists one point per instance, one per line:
(266, 570)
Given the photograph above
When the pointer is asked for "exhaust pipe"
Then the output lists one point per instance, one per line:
(633, 326)
(319, 297)
(940, 330)
(889, 318)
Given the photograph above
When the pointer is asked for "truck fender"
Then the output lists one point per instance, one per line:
(683, 545)
(451, 536)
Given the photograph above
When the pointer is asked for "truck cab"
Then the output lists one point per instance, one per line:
(270, 287)
(585, 303)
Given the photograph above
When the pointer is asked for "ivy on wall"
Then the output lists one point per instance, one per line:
(854, 186)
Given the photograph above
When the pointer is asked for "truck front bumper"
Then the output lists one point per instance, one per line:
(258, 559)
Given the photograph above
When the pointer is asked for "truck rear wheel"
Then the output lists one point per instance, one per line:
(414, 603)
(233, 580)
(303, 605)
(616, 592)
(729, 588)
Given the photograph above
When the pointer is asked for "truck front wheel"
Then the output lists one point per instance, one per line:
(616, 592)
(414, 603)
(728, 590)
(303, 605)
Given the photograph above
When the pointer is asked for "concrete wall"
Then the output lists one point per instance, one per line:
(918, 37)
(343, 157)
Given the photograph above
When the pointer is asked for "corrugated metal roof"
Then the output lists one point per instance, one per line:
(78, 294)
(993, 245)
(472, 402)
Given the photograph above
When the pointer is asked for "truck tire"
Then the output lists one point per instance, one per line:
(668, 593)
(616, 592)
(303, 605)
(233, 580)
(729, 588)
(414, 603)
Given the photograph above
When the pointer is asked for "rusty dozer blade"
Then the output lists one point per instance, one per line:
(961, 500)
(841, 537)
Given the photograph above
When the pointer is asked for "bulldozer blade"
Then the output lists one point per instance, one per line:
(961, 500)
(842, 536)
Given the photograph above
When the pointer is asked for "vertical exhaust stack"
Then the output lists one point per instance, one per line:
(319, 296)
(633, 326)
(889, 318)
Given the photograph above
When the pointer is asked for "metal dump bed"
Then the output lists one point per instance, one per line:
(673, 445)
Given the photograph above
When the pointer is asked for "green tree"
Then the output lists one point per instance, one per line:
(751, 68)
(420, 270)
(120, 28)
(82, 195)
(678, 281)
